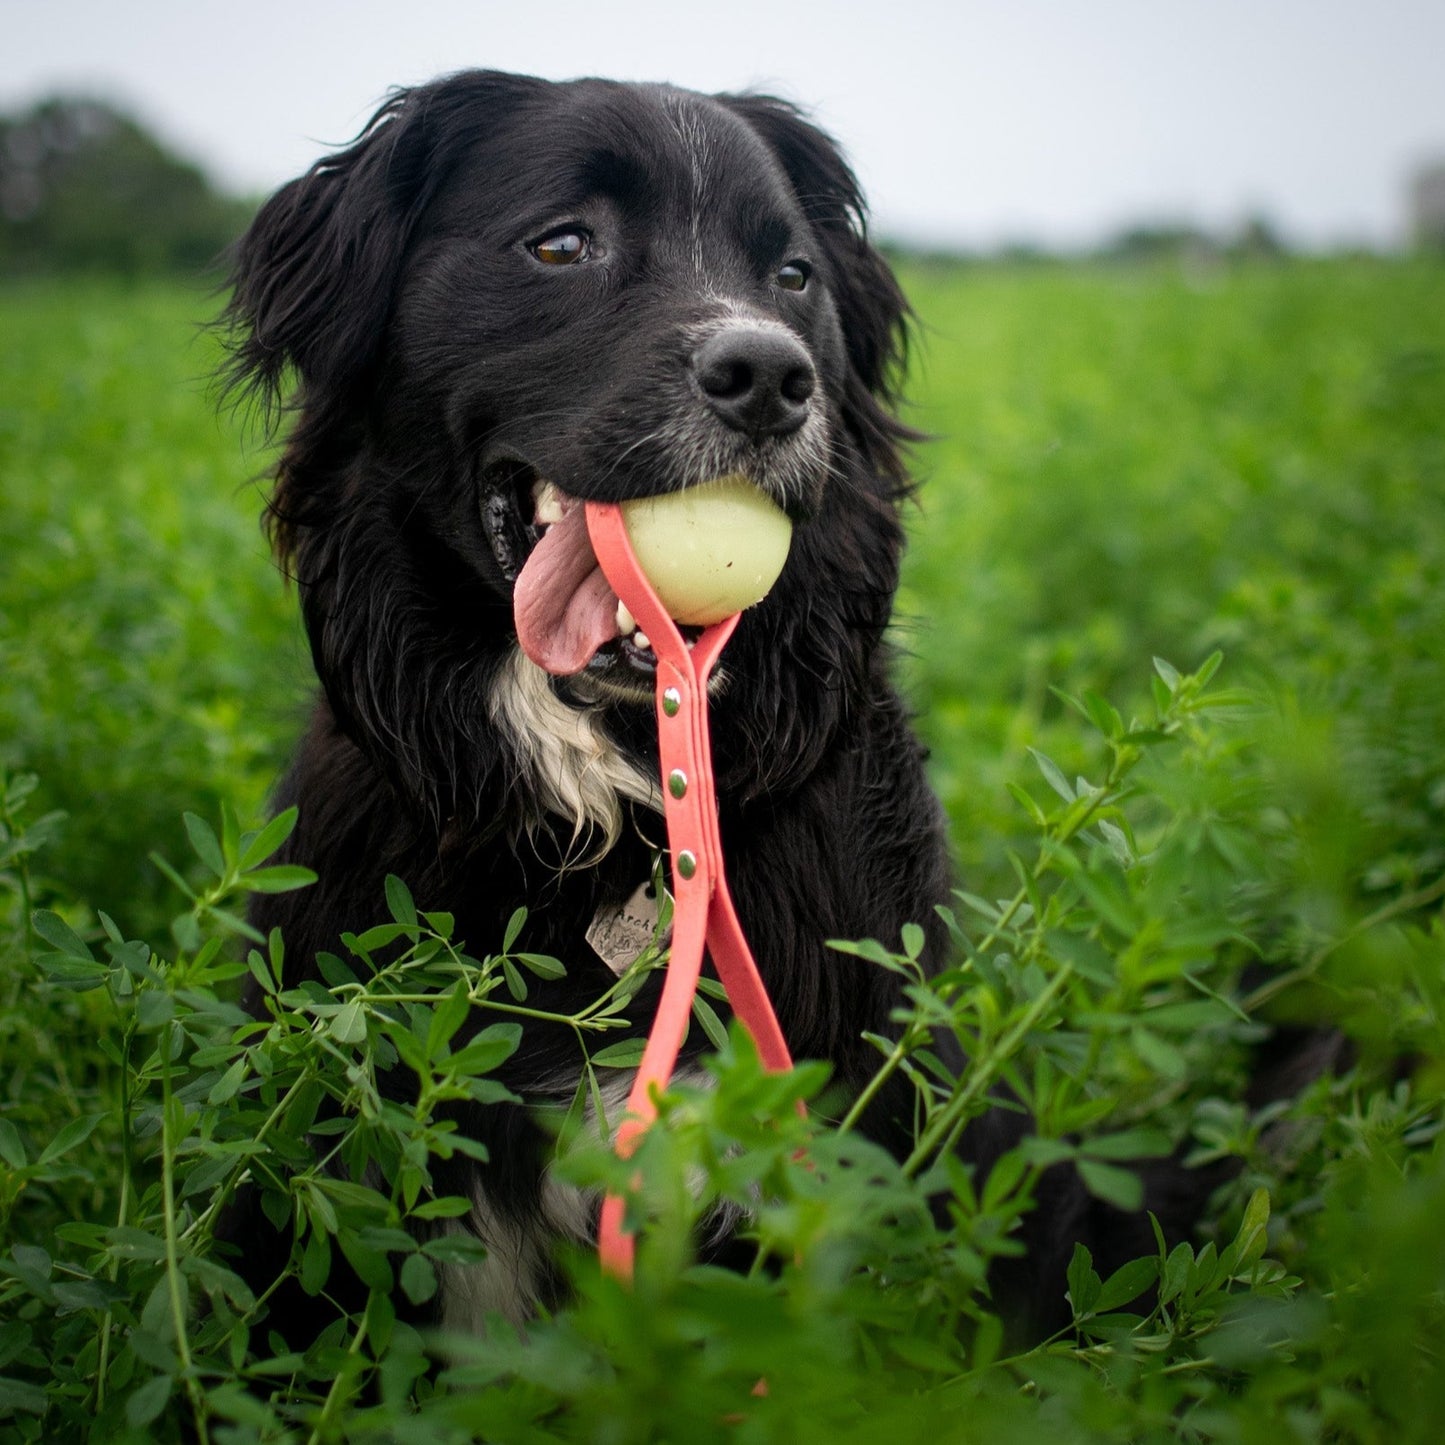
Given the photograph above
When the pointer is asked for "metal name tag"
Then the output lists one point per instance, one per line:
(620, 931)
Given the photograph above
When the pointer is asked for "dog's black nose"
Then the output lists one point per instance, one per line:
(757, 379)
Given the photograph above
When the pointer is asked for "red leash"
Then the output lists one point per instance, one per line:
(703, 913)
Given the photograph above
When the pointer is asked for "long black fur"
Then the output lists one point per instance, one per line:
(388, 301)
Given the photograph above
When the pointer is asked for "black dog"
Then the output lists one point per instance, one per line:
(509, 295)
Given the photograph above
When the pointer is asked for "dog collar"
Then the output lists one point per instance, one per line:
(703, 913)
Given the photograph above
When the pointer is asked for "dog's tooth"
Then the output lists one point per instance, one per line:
(548, 503)
(626, 622)
(640, 639)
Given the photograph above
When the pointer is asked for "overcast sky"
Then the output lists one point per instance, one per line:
(971, 122)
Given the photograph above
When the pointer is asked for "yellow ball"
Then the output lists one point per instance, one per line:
(709, 550)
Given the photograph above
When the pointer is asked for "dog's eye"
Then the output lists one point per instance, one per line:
(794, 275)
(562, 248)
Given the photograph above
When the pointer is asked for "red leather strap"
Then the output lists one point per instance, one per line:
(703, 912)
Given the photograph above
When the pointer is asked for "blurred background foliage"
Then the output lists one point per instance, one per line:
(147, 647)
(85, 187)
(1161, 461)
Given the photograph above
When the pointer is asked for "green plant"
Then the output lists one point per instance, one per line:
(864, 1309)
(1129, 463)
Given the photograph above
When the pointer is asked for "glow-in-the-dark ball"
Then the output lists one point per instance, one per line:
(709, 550)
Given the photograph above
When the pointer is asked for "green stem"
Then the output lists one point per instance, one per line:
(123, 1212)
(334, 1395)
(887, 1069)
(174, 1282)
(952, 1118)
(577, 1020)
(22, 875)
(1104, 795)
(204, 1220)
(1022, 1357)
(1396, 908)
(954, 1114)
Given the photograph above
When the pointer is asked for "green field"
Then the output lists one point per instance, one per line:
(1124, 464)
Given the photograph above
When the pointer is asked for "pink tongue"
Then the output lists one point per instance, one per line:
(563, 607)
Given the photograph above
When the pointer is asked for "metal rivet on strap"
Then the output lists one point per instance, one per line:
(677, 783)
(686, 863)
(671, 701)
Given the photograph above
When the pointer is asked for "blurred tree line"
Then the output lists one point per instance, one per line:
(84, 187)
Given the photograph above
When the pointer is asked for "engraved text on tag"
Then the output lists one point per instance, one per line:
(620, 931)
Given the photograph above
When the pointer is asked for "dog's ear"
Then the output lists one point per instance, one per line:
(313, 279)
(872, 306)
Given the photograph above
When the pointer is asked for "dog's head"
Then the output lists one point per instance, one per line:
(509, 295)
